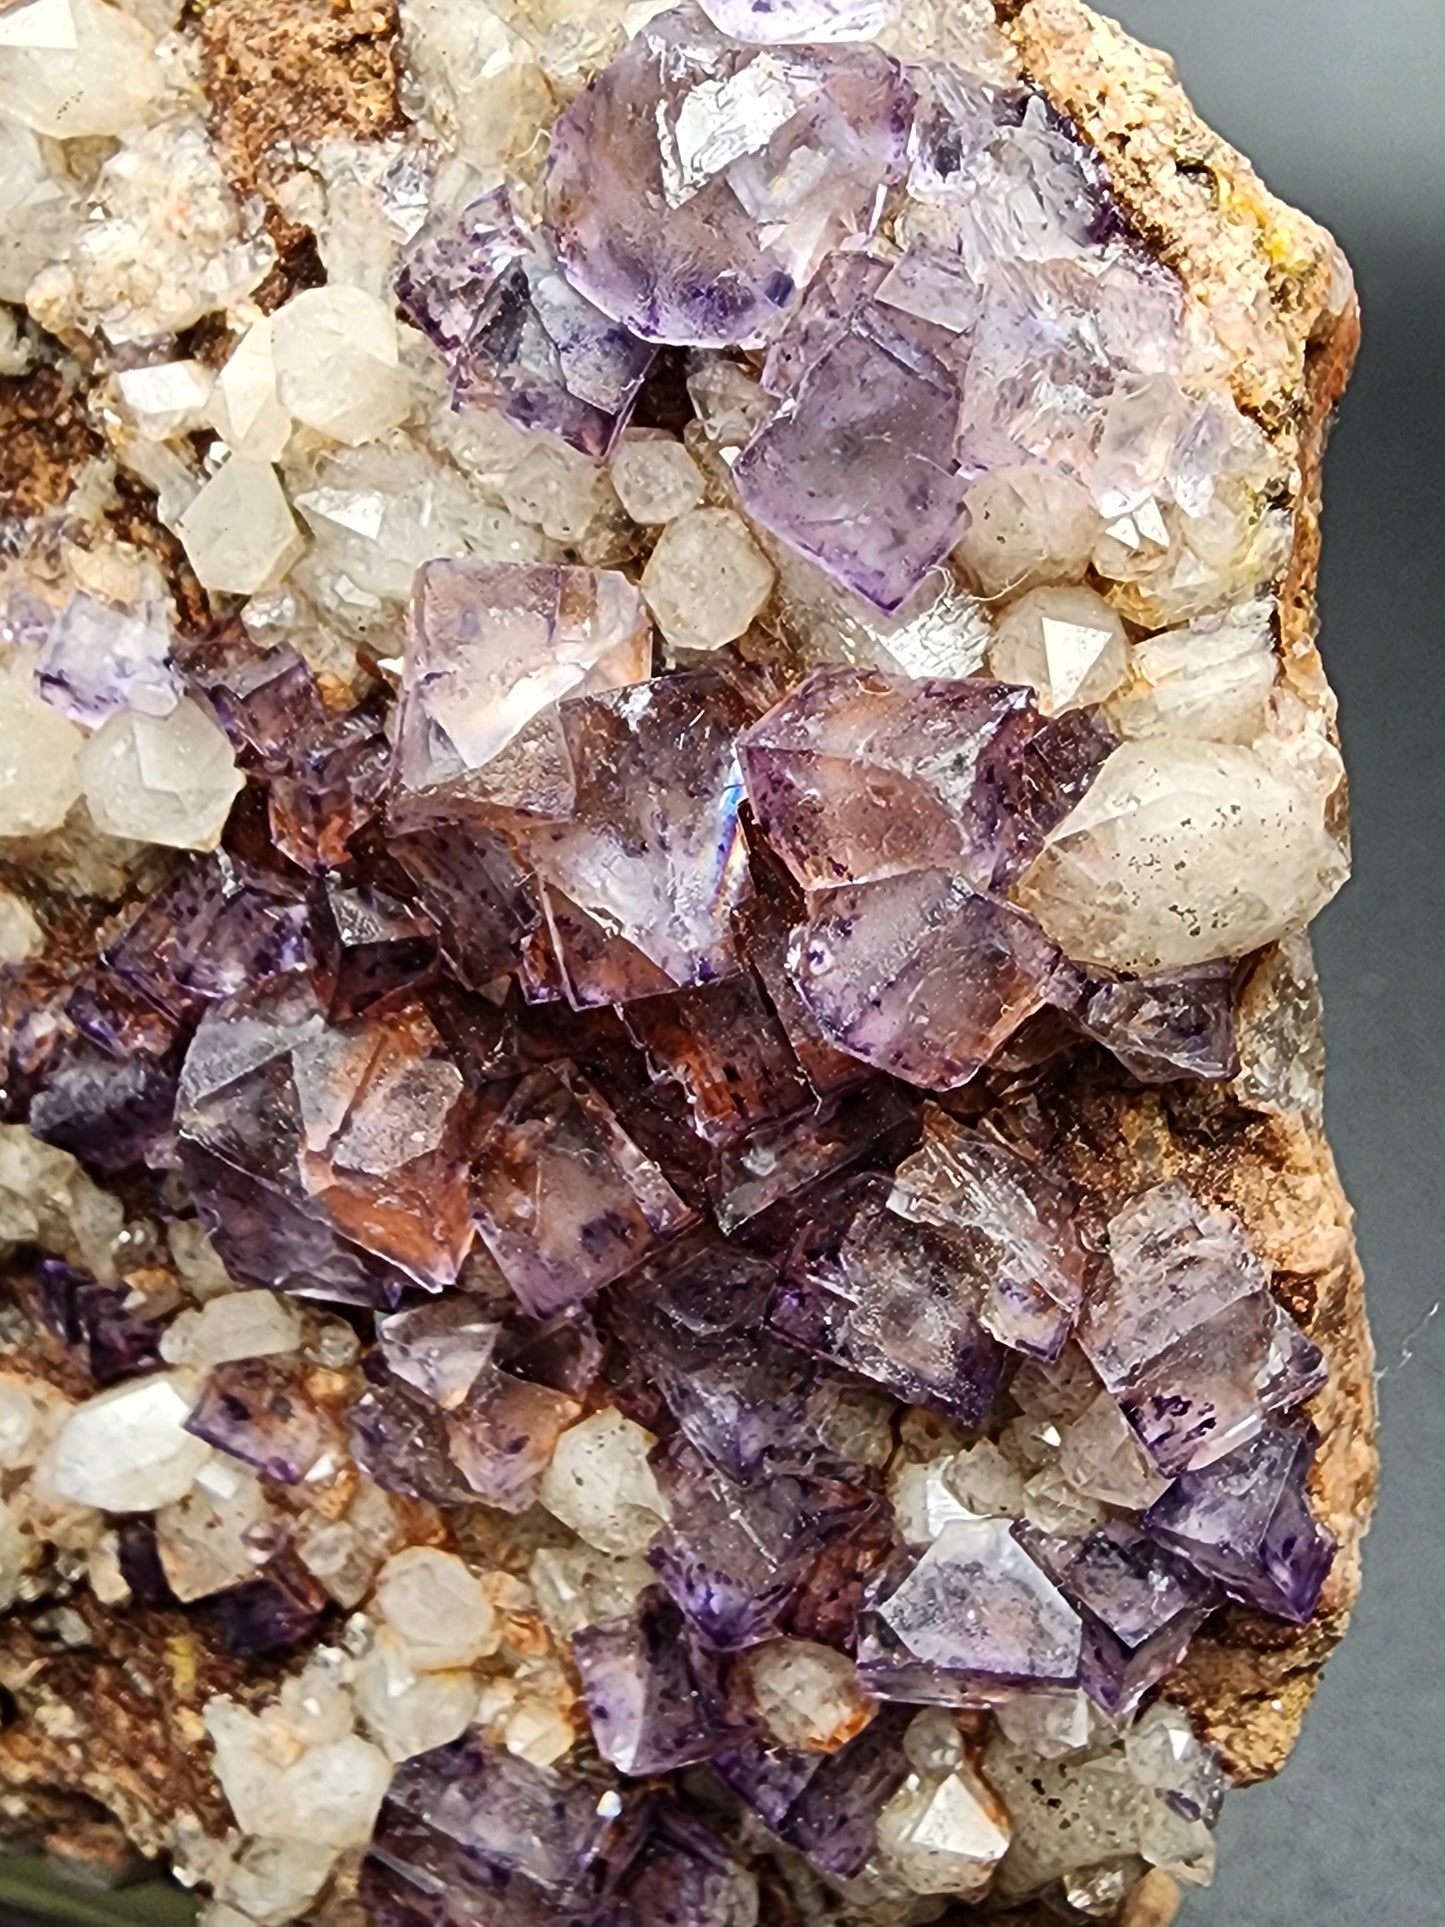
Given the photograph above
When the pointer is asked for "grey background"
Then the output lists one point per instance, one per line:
(1339, 105)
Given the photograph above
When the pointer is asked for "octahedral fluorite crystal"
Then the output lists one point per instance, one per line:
(668, 985)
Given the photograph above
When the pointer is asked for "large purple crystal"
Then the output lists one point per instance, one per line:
(695, 186)
(651, 1689)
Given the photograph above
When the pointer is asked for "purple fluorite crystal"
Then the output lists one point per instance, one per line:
(256, 1410)
(771, 21)
(683, 185)
(681, 1871)
(95, 1321)
(972, 1613)
(651, 1689)
(491, 294)
(98, 659)
(1245, 1521)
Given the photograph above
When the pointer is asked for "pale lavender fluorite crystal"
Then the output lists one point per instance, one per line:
(684, 186)
(98, 659)
(772, 21)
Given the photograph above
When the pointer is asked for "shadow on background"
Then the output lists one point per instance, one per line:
(1336, 102)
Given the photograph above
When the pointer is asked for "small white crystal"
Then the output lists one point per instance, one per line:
(197, 1260)
(1052, 1724)
(20, 934)
(336, 1554)
(944, 1836)
(1182, 853)
(473, 80)
(436, 1608)
(559, 491)
(985, 1481)
(337, 363)
(162, 779)
(409, 1712)
(74, 68)
(328, 1795)
(238, 533)
(126, 1450)
(272, 1882)
(707, 580)
(19, 1423)
(246, 410)
(47, 1199)
(924, 1501)
(202, 1538)
(38, 210)
(1102, 1458)
(578, 1586)
(317, 1704)
(39, 753)
(655, 477)
(1066, 643)
(600, 1484)
(242, 1324)
(1027, 526)
(807, 1695)
(1211, 681)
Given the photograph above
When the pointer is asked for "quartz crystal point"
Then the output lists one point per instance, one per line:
(660, 1117)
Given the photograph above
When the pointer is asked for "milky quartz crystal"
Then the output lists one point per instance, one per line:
(662, 770)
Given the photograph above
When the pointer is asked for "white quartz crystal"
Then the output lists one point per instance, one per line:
(944, 1836)
(807, 1695)
(162, 779)
(38, 209)
(39, 753)
(19, 1423)
(578, 1586)
(126, 1450)
(203, 1538)
(436, 1608)
(1066, 643)
(1027, 526)
(238, 533)
(166, 398)
(924, 1501)
(241, 1324)
(1182, 853)
(20, 934)
(47, 1199)
(73, 68)
(655, 477)
(1101, 1458)
(1211, 681)
(707, 580)
(473, 80)
(560, 492)
(600, 1483)
(246, 410)
(197, 1260)
(337, 363)
(271, 1882)
(405, 1711)
(1065, 1813)
(166, 244)
(326, 1795)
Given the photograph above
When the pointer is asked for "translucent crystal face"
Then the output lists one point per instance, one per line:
(596, 945)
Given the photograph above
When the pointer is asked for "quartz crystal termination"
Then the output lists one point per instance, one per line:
(667, 1245)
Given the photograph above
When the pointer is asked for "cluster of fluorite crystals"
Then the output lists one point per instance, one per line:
(632, 989)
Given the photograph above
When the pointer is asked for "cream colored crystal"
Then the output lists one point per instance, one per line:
(162, 779)
(560, 492)
(242, 1324)
(238, 533)
(167, 243)
(944, 1836)
(20, 934)
(600, 1483)
(126, 1450)
(39, 753)
(39, 207)
(166, 398)
(1065, 643)
(76, 68)
(337, 363)
(578, 1586)
(473, 80)
(1185, 852)
(47, 1199)
(436, 1609)
(655, 477)
(272, 1882)
(202, 1538)
(707, 580)
(246, 410)
(1211, 681)
(1026, 527)
(409, 1712)
(807, 1695)
(327, 1795)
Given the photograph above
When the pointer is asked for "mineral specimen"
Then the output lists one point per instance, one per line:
(661, 769)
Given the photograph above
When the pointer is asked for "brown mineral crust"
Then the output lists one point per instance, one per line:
(284, 74)
(45, 440)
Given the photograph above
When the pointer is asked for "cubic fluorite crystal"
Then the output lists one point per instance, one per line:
(658, 1060)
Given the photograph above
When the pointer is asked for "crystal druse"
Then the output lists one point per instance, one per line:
(661, 778)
